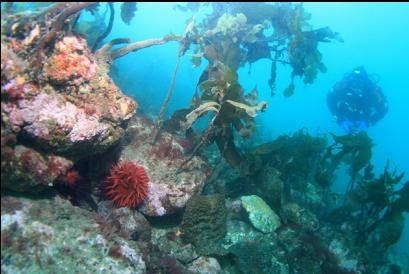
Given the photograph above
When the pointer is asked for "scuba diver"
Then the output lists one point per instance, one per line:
(357, 102)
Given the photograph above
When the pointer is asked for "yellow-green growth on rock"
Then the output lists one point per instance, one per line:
(260, 214)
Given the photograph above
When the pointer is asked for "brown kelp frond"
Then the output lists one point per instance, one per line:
(105, 54)
(184, 46)
(108, 29)
(249, 110)
(128, 11)
(45, 27)
(59, 21)
(143, 44)
(198, 112)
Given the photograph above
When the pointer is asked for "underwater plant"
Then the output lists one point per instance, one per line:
(374, 208)
(211, 202)
(184, 46)
(354, 149)
(235, 35)
(127, 184)
(295, 159)
(128, 10)
(233, 111)
(230, 37)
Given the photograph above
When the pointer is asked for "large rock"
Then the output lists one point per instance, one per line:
(169, 187)
(52, 236)
(252, 250)
(57, 102)
(72, 105)
(26, 170)
(169, 242)
(270, 186)
(295, 214)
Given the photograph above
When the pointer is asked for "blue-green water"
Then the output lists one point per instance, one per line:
(374, 35)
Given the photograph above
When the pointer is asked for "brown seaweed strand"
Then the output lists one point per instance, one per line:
(204, 139)
(165, 103)
(56, 26)
(109, 28)
(142, 44)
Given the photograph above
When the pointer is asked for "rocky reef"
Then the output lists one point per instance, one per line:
(50, 235)
(169, 188)
(56, 104)
(91, 185)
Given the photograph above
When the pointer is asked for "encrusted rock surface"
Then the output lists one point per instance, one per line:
(169, 190)
(260, 214)
(62, 104)
(52, 236)
(170, 242)
(205, 265)
(29, 171)
(294, 213)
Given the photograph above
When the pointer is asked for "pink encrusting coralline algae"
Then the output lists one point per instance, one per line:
(44, 113)
(57, 98)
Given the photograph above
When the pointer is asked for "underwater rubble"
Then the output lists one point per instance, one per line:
(266, 209)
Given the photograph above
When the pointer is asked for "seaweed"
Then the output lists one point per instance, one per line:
(374, 208)
(233, 34)
(58, 22)
(401, 204)
(222, 94)
(355, 149)
(106, 55)
(184, 46)
(108, 29)
(128, 10)
(295, 156)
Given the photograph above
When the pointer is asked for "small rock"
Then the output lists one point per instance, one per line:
(170, 242)
(205, 265)
(302, 216)
(260, 214)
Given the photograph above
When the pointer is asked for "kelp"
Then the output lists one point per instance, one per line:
(108, 29)
(359, 145)
(106, 55)
(375, 204)
(401, 204)
(128, 10)
(249, 110)
(199, 112)
(233, 111)
(184, 46)
(234, 35)
(296, 157)
(289, 91)
(354, 149)
(94, 26)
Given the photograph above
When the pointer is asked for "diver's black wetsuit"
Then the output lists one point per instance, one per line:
(356, 99)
